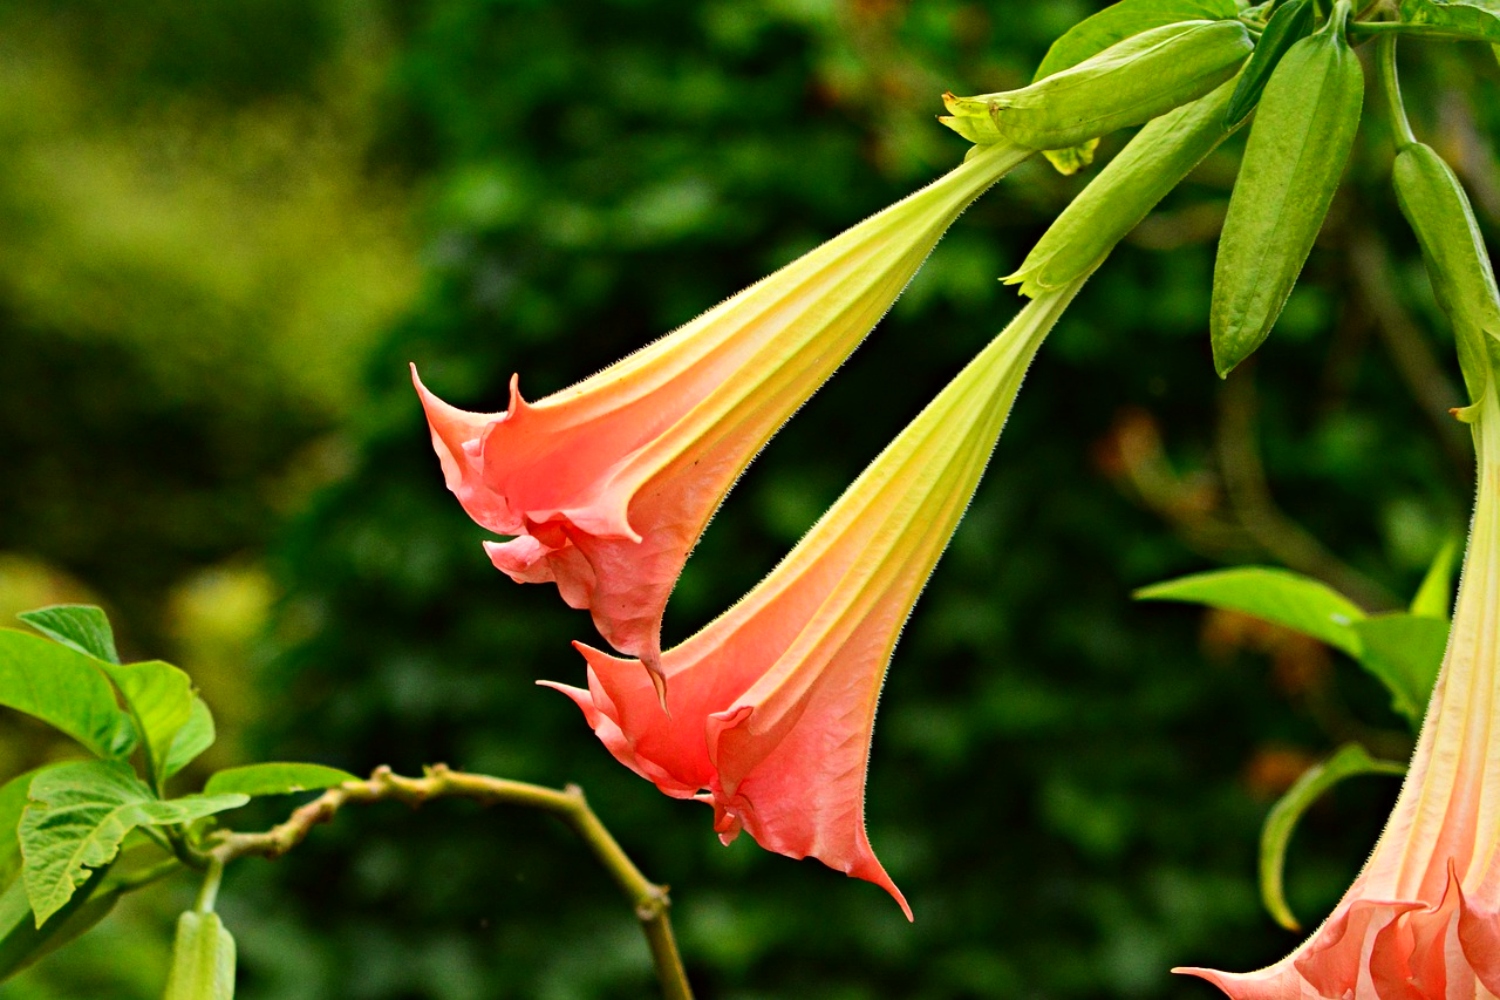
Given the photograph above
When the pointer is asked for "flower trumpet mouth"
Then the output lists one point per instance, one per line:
(1422, 920)
(604, 488)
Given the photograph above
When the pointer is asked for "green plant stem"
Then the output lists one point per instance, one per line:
(208, 895)
(1391, 83)
(650, 901)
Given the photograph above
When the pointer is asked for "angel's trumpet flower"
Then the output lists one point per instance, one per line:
(1422, 921)
(770, 708)
(607, 485)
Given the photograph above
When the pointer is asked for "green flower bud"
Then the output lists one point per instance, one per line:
(1130, 82)
(1126, 190)
(1298, 146)
(1289, 24)
(1434, 202)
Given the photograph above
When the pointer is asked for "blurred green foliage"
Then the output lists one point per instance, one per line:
(1068, 787)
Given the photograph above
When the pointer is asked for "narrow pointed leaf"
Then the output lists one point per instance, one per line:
(64, 688)
(1288, 599)
(78, 816)
(1435, 595)
(1404, 652)
(202, 959)
(79, 626)
(1349, 760)
(195, 736)
(276, 779)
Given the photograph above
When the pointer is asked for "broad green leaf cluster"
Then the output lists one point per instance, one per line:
(81, 833)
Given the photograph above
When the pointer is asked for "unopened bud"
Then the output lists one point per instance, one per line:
(1132, 81)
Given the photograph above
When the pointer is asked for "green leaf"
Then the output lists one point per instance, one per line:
(1349, 760)
(276, 779)
(195, 736)
(78, 815)
(1435, 596)
(202, 959)
(22, 941)
(64, 688)
(1275, 595)
(1098, 32)
(78, 626)
(1119, 21)
(1404, 651)
(160, 699)
(1479, 19)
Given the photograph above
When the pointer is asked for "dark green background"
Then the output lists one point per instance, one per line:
(1068, 786)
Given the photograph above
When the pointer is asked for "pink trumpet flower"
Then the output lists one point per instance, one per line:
(607, 485)
(770, 708)
(1422, 920)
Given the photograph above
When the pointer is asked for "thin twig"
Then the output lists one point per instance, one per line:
(650, 901)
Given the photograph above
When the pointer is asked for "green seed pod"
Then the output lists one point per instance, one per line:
(1296, 154)
(1289, 24)
(202, 959)
(1434, 203)
(1133, 81)
(1150, 165)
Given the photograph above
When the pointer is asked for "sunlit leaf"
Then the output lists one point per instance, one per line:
(160, 699)
(64, 688)
(1349, 760)
(276, 779)
(1404, 651)
(1288, 599)
(195, 736)
(78, 815)
(80, 626)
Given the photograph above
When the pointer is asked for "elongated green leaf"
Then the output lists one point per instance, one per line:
(64, 688)
(1349, 760)
(79, 626)
(160, 698)
(1098, 32)
(1480, 19)
(78, 815)
(1404, 651)
(276, 779)
(195, 736)
(22, 941)
(1435, 595)
(202, 959)
(1275, 595)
